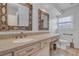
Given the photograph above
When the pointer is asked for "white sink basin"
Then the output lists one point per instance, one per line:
(23, 40)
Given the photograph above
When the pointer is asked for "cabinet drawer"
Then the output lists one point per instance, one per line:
(54, 40)
(36, 45)
(45, 43)
(7, 54)
(23, 51)
(27, 50)
(42, 52)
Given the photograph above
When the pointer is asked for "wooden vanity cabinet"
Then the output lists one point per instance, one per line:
(40, 48)
(45, 49)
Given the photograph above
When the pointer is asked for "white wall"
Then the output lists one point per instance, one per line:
(75, 13)
(53, 19)
(34, 17)
(52, 16)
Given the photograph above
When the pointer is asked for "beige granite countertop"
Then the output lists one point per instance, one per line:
(8, 44)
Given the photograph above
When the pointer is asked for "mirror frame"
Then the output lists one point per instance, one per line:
(5, 27)
(3, 24)
(40, 23)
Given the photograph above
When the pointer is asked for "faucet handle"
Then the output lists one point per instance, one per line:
(21, 32)
(21, 35)
(16, 37)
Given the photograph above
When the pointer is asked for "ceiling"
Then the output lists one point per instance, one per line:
(63, 6)
(66, 5)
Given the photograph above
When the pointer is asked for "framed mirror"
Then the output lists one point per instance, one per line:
(43, 20)
(15, 16)
(20, 16)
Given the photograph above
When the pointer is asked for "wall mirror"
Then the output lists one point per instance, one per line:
(43, 20)
(16, 16)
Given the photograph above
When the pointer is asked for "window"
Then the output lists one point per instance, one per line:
(65, 22)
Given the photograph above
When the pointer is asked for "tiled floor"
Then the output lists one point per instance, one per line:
(68, 52)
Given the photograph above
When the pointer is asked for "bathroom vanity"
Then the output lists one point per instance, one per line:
(17, 17)
(38, 46)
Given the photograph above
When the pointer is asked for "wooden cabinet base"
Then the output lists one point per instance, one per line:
(42, 52)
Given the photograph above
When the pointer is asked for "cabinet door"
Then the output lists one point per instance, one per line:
(43, 52)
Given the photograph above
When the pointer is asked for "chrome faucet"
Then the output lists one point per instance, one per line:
(21, 35)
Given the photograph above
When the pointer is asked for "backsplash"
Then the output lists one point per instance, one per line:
(10, 36)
